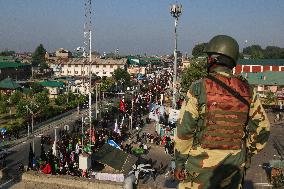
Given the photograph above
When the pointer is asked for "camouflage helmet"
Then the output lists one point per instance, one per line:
(223, 45)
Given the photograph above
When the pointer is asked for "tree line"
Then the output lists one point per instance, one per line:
(253, 52)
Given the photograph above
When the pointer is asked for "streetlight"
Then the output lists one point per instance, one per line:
(90, 77)
(175, 11)
(54, 147)
(31, 112)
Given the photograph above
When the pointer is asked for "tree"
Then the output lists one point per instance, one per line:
(3, 107)
(282, 53)
(16, 97)
(7, 53)
(195, 71)
(198, 50)
(61, 100)
(122, 76)
(272, 52)
(21, 108)
(270, 98)
(38, 57)
(107, 83)
(36, 88)
(250, 49)
(41, 99)
(255, 54)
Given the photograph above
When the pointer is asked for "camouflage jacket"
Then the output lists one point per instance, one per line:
(196, 160)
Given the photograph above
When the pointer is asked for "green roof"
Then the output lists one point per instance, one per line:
(115, 158)
(8, 83)
(143, 61)
(12, 65)
(265, 78)
(51, 84)
(264, 62)
(6, 59)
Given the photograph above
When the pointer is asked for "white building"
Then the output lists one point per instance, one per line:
(79, 67)
(62, 53)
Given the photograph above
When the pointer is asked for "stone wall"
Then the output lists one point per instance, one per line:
(68, 181)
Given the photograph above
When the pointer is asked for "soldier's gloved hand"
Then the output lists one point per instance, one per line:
(179, 174)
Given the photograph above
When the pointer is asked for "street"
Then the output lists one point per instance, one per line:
(19, 153)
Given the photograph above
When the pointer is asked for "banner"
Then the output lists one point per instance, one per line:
(113, 144)
(154, 112)
(122, 105)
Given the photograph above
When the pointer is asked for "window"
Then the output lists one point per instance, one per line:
(97, 66)
(111, 66)
(69, 65)
(76, 72)
(104, 66)
(76, 65)
(97, 73)
(104, 73)
(111, 73)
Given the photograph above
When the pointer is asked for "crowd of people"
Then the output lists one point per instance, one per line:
(63, 158)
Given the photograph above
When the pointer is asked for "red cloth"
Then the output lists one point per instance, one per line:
(122, 105)
(93, 136)
(47, 169)
(164, 140)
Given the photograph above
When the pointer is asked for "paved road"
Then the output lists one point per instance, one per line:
(20, 153)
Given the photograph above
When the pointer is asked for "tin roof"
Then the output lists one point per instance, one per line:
(264, 62)
(265, 78)
(12, 65)
(51, 84)
(8, 83)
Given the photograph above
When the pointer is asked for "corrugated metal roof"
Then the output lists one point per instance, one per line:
(51, 84)
(6, 59)
(264, 62)
(8, 83)
(265, 78)
(12, 65)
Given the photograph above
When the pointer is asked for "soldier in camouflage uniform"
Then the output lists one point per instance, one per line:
(218, 131)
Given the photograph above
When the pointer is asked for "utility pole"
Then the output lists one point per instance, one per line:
(96, 101)
(28, 109)
(55, 142)
(175, 11)
(82, 131)
(88, 45)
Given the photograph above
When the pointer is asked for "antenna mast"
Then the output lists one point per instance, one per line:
(88, 46)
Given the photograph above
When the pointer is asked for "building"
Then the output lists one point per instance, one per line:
(78, 67)
(54, 88)
(268, 81)
(185, 63)
(15, 70)
(8, 85)
(62, 53)
(134, 70)
(259, 65)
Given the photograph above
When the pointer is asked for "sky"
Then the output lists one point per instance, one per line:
(138, 26)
